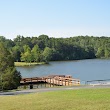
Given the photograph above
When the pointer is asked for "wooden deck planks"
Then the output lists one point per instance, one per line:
(60, 80)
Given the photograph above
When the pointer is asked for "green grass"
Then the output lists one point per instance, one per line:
(28, 64)
(83, 99)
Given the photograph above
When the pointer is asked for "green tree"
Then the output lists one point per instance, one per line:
(47, 54)
(43, 41)
(16, 53)
(36, 53)
(107, 53)
(10, 77)
(100, 52)
(26, 56)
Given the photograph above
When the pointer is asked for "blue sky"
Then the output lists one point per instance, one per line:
(56, 18)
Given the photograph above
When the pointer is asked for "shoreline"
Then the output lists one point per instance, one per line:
(21, 64)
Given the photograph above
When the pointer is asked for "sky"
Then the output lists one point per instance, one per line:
(55, 18)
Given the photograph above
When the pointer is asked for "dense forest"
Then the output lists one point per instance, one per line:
(44, 48)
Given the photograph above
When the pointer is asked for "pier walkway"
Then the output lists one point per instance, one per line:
(60, 80)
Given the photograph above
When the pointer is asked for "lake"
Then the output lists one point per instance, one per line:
(85, 70)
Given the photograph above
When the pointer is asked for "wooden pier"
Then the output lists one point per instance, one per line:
(60, 80)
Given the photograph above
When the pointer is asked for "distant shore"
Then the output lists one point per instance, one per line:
(29, 64)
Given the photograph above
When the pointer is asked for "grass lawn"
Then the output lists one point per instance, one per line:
(83, 99)
(28, 64)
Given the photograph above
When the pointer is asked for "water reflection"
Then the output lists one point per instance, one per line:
(37, 86)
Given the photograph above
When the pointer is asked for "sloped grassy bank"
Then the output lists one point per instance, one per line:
(83, 99)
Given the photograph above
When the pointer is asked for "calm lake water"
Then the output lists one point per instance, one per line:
(85, 70)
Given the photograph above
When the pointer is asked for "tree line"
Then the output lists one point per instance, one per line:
(44, 48)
